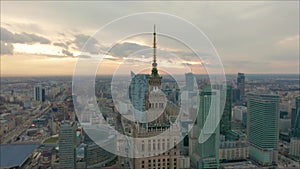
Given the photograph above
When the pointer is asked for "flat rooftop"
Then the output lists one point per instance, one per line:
(13, 155)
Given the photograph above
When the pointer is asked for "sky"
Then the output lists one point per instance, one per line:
(49, 38)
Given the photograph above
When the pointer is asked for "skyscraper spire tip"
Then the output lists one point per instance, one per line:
(154, 64)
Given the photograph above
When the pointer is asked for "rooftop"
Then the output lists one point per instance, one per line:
(15, 155)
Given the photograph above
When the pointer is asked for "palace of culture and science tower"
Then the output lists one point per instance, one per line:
(157, 139)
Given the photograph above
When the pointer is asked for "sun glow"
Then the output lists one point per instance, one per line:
(44, 49)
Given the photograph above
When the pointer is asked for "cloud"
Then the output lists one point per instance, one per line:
(255, 31)
(290, 39)
(84, 56)
(65, 47)
(112, 59)
(54, 56)
(191, 56)
(126, 49)
(6, 48)
(137, 52)
(60, 44)
(86, 43)
(7, 36)
(66, 52)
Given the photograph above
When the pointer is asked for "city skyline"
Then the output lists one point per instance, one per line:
(140, 85)
(257, 39)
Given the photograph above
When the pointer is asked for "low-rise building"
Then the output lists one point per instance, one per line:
(7, 124)
(233, 151)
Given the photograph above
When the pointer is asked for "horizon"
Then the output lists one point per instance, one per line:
(229, 74)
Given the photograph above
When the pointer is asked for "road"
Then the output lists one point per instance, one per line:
(285, 162)
(9, 137)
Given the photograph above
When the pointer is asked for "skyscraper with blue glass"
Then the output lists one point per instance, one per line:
(138, 90)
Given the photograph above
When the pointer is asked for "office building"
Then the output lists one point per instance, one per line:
(295, 120)
(263, 115)
(208, 151)
(235, 95)
(67, 144)
(138, 90)
(233, 151)
(189, 81)
(241, 84)
(225, 124)
(284, 125)
(238, 113)
(95, 155)
(295, 147)
(39, 94)
(283, 114)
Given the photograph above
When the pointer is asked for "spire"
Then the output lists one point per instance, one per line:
(154, 64)
(155, 78)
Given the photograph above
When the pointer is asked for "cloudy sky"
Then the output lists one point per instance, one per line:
(48, 38)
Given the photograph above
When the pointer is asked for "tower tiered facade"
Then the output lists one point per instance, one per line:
(157, 139)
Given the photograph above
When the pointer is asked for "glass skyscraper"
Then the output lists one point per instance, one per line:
(67, 144)
(138, 90)
(225, 124)
(295, 120)
(241, 84)
(208, 151)
(263, 116)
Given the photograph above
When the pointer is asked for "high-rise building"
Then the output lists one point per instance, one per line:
(235, 95)
(158, 145)
(225, 124)
(295, 120)
(238, 113)
(295, 147)
(263, 115)
(208, 151)
(239, 116)
(298, 102)
(138, 90)
(241, 84)
(43, 95)
(67, 144)
(39, 94)
(189, 80)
